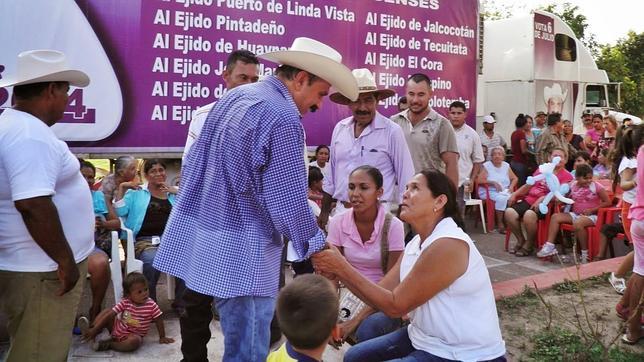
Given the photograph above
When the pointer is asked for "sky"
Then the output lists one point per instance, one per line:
(609, 20)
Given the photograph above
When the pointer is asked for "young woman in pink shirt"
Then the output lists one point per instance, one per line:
(359, 233)
(589, 197)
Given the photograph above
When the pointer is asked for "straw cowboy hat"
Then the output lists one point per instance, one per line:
(318, 59)
(366, 84)
(37, 66)
(554, 92)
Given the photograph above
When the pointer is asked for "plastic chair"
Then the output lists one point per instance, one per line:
(476, 202)
(489, 206)
(132, 264)
(542, 231)
(115, 268)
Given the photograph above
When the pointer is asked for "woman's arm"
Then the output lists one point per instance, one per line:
(436, 269)
(627, 179)
(393, 259)
(524, 147)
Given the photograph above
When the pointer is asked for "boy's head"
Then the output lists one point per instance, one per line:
(307, 311)
(135, 287)
(315, 178)
(582, 157)
(583, 174)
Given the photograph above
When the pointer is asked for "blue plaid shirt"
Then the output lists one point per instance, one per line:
(243, 186)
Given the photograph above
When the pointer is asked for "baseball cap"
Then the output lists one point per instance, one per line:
(541, 113)
(489, 119)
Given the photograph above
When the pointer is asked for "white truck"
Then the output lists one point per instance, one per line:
(535, 63)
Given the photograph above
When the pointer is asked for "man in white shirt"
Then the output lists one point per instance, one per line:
(46, 212)
(367, 138)
(242, 67)
(469, 149)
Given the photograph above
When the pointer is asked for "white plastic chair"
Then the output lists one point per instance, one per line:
(476, 202)
(115, 268)
(132, 264)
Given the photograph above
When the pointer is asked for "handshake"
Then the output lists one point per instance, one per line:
(330, 263)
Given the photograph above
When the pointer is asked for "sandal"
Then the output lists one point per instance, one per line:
(619, 284)
(627, 340)
(523, 252)
(516, 248)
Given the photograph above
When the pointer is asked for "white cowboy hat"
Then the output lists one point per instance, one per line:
(37, 66)
(555, 91)
(318, 59)
(366, 84)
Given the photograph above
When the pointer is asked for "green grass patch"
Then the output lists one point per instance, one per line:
(563, 345)
(526, 298)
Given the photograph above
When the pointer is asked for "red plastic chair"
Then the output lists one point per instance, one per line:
(489, 207)
(542, 230)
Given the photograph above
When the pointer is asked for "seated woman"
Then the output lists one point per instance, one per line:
(524, 203)
(589, 197)
(441, 282)
(498, 176)
(371, 240)
(98, 262)
(146, 212)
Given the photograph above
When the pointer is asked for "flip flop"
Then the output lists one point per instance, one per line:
(523, 253)
(626, 340)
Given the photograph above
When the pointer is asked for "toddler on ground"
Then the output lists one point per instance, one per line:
(129, 321)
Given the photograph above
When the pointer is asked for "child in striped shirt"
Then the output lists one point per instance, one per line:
(128, 321)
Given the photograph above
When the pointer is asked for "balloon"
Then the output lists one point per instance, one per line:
(556, 189)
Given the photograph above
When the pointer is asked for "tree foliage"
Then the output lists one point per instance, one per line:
(624, 62)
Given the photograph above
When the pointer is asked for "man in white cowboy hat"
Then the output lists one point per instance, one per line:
(430, 136)
(554, 98)
(243, 187)
(47, 222)
(367, 138)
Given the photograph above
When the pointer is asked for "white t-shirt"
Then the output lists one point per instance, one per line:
(196, 124)
(470, 152)
(628, 196)
(33, 163)
(325, 169)
(460, 322)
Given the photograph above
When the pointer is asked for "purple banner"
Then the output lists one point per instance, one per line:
(168, 55)
(544, 46)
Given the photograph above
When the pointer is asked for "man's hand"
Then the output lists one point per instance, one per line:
(68, 276)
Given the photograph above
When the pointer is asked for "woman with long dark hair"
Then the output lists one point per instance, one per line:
(440, 282)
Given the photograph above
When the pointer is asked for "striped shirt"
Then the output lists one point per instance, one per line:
(243, 186)
(134, 319)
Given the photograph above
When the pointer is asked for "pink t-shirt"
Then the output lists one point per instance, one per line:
(637, 208)
(594, 135)
(365, 256)
(584, 197)
(541, 189)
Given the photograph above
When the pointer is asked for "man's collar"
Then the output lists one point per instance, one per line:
(431, 115)
(283, 89)
(379, 121)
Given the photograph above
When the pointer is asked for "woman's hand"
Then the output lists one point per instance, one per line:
(348, 327)
(169, 189)
(497, 186)
(133, 185)
(535, 206)
(329, 262)
(513, 199)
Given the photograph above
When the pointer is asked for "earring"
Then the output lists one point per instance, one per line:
(434, 209)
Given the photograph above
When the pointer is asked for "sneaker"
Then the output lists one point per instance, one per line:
(83, 325)
(548, 249)
(101, 345)
(583, 258)
(619, 284)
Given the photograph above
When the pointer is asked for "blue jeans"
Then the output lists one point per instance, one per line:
(151, 274)
(376, 325)
(246, 323)
(395, 346)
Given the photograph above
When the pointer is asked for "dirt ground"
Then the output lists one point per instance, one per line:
(524, 320)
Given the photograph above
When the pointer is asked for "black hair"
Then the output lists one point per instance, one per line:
(583, 170)
(598, 115)
(320, 147)
(33, 90)
(242, 55)
(402, 100)
(131, 279)
(458, 104)
(520, 121)
(439, 184)
(86, 164)
(373, 172)
(147, 166)
(627, 142)
(420, 77)
(307, 311)
(553, 118)
(315, 175)
(288, 72)
(583, 154)
(626, 120)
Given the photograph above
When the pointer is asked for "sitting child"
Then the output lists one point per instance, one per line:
(601, 169)
(307, 311)
(315, 185)
(129, 321)
(589, 197)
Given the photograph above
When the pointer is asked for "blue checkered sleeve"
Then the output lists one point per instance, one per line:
(285, 191)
